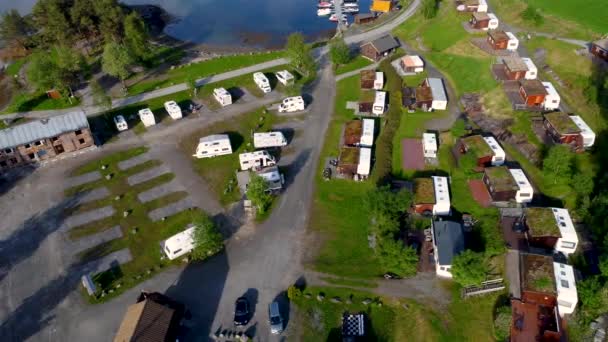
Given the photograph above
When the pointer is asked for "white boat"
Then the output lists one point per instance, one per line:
(334, 17)
(324, 4)
(324, 11)
(351, 4)
(350, 9)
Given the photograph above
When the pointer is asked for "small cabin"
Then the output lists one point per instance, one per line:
(173, 109)
(565, 129)
(213, 146)
(284, 77)
(486, 150)
(379, 48)
(432, 196)
(365, 18)
(533, 92)
(501, 40)
(552, 99)
(483, 21)
(147, 117)
(506, 184)
(381, 6)
(412, 64)
(550, 228)
(600, 48)
(429, 145)
(514, 68)
(222, 96)
(448, 242)
(471, 6)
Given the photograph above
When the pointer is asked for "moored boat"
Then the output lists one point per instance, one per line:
(324, 4)
(324, 11)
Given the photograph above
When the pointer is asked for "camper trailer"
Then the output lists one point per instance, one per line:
(367, 135)
(270, 139)
(379, 81)
(525, 191)
(379, 105)
(552, 99)
(429, 145)
(285, 77)
(222, 96)
(256, 160)
(513, 42)
(532, 71)
(121, 123)
(213, 146)
(147, 117)
(179, 244)
(173, 110)
(586, 131)
(292, 104)
(262, 81)
(498, 154)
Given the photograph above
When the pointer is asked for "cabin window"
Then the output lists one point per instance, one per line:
(525, 194)
(81, 141)
(564, 303)
(177, 251)
(225, 149)
(8, 150)
(215, 143)
(563, 273)
(31, 156)
(564, 283)
(568, 244)
(38, 143)
(78, 132)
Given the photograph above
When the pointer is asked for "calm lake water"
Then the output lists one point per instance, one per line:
(233, 22)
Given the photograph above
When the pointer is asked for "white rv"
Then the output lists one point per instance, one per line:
(256, 160)
(379, 81)
(552, 99)
(222, 96)
(429, 145)
(532, 71)
(262, 81)
(565, 282)
(568, 240)
(367, 136)
(285, 77)
(292, 104)
(179, 244)
(513, 42)
(498, 157)
(483, 6)
(173, 110)
(525, 192)
(493, 23)
(121, 123)
(379, 105)
(442, 196)
(147, 117)
(365, 160)
(213, 146)
(440, 98)
(270, 139)
(586, 131)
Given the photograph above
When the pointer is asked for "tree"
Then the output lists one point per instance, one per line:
(469, 268)
(110, 16)
(207, 238)
(582, 183)
(299, 54)
(100, 97)
(43, 72)
(116, 61)
(339, 51)
(557, 165)
(258, 194)
(429, 8)
(15, 29)
(397, 258)
(384, 202)
(57, 70)
(52, 19)
(531, 14)
(136, 36)
(70, 64)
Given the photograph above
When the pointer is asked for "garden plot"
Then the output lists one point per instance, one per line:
(129, 163)
(147, 175)
(83, 179)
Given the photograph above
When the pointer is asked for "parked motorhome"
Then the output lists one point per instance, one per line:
(379, 81)
(487, 151)
(222, 96)
(292, 104)
(285, 77)
(367, 136)
(505, 184)
(256, 160)
(429, 145)
(552, 99)
(213, 146)
(173, 109)
(412, 63)
(179, 244)
(271, 174)
(147, 117)
(365, 160)
(269, 139)
(379, 106)
(513, 42)
(262, 82)
(586, 131)
(121, 123)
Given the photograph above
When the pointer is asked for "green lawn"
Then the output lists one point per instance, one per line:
(24, 102)
(210, 67)
(140, 235)
(14, 68)
(356, 63)
(466, 74)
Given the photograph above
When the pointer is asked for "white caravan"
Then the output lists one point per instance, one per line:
(173, 110)
(493, 23)
(440, 98)
(285, 77)
(270, 139)
(525, 192)
(292, 104)
(222, 96)
(429, 145)
(179, 244)
(379, 81)
(532, 71)
(379, 105)
(262, 81)
(367, 136)
(498, 154)
(442, 205)
(586, 131)
(147, 117)
(552, 99)
(213, 145)
(256, 160)
(121, 123)
(513, 42)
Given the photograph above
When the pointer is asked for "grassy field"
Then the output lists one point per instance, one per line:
(140, 235)
(210, 67)
(356, 63)
(24, 102)
(580, 19)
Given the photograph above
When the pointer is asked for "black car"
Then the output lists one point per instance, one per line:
(241, 311)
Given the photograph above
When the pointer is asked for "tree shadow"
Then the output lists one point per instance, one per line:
(11, 178)
(292, 170)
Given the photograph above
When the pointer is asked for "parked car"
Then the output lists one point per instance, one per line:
(241, 311)
(274, 316)
(121, 123)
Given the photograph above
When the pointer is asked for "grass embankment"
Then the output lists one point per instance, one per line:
(357, 62)
(579, 19)
(25, 102)
(181, 74)
(140, 234)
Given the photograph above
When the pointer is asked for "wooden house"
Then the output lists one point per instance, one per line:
(533, 92)
(487, 151)
(379, 48)
(501, 40)
(569, 129)
(424, 97)
(483, 21)
(600, 48)
(514, 68)
(412, 63)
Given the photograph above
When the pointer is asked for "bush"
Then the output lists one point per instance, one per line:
(293, 292)
(207, 239)
(469, 268)
(532, 15)
(502, 323)
(339, 52)
(430, 8)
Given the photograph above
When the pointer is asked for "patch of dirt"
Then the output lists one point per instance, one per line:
(467, 49)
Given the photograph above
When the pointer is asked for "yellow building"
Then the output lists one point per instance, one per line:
(383, 6)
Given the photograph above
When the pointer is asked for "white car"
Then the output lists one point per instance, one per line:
(121, 123)
(292, 104)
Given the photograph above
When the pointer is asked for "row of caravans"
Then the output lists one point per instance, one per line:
(147, 116)
(224, 98)
(219, 144)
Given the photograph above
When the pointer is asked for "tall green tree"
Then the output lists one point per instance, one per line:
(207, 239)
(100, 97)
(70, 64)
(136, 36)
(43, 72)
(339, 51)
(84, 19)
(469, 268)
(110, 16)
(557, 165)
(430, 8)
(258, 194)
(116, 61)
(59, 69)
(15, 29)
(51, 17)
(299, 54)
(385, 202)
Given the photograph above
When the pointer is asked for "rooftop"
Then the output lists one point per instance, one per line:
(412, 61)
(533, 87)
(146, 321)
(603, 43)
(498, 35)
(368, 75)
(562, 123)
(449, 239)
(515, 63)
(349, 156)
(437, 89)
(537, 273)
(477, 145)
(352, 132)
(500, 178)
(385, 43)
(214, 137)
(481, 16)
(424, 191)
(541, 222)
